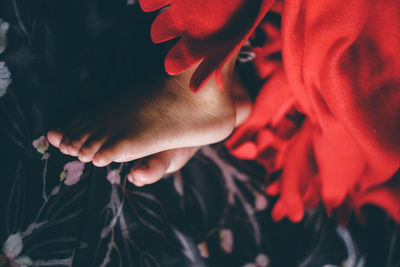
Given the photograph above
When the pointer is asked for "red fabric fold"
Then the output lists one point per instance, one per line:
(209, 32)
(328, 114)
(341, 70)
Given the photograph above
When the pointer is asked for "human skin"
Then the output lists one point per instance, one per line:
(163, 128)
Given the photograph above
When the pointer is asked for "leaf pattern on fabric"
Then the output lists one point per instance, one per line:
(209, 33)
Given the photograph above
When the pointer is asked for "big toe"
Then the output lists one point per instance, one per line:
(74, 144)
(55, 137)
(150, 170)
(115, 149)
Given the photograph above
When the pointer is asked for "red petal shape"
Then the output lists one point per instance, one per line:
(273, 189)
(153, 5)
(296, 175)
(341, 60)
(209, 31)
(341, 163)
(167, 33)
(272, 103)
(247, 150)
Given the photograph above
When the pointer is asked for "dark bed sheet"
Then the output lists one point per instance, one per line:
(212, 213)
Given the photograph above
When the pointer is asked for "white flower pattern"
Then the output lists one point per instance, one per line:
(12, 249)
(5, 78)
(261, 260)
(260, 201)
(114, 176)
(4, 27)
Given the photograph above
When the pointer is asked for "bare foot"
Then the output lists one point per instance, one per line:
(136, 126)
(153, 168)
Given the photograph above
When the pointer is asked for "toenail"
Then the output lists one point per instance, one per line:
(63, 149)
(83, 153)
(131, 179)
(54, 137)
(100, 162)
(83, 158)
(139, 184)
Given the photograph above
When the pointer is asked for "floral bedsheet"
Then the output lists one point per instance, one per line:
(57, 211)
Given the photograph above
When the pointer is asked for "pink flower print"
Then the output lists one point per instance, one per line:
(226, 237)
(260, 201)
(41, 144)
(5, 78)
(261, 260)
(203, 249)
(72, 172)
(114, 176)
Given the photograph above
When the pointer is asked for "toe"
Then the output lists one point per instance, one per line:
(74, 146)
(124, 149)
(138, 184)
(101, 160)
(179, 157)
(111, 151)
(63, 148)
(55, 137)
(150, 170)
(90, 148)
(66, 139)
(75, 137)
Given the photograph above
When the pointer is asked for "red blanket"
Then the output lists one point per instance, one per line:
(328, 115)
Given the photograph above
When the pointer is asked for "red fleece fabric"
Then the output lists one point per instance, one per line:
(209, 32)
(328, 114)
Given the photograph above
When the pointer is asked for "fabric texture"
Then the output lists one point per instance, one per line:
(327, 117)
(56, 211)
(209, 32)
